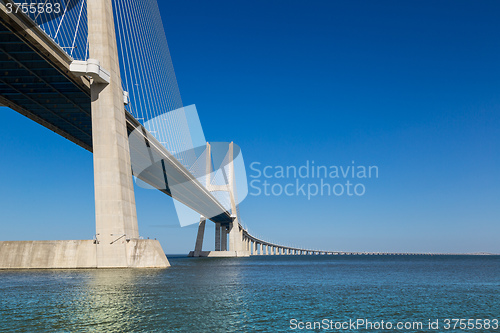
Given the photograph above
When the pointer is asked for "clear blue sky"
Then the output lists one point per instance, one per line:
(412, 87)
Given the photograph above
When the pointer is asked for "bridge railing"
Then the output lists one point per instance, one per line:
(65, 21)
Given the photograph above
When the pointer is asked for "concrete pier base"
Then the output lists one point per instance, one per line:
(199, 238)
(220, 254)
(73, 254)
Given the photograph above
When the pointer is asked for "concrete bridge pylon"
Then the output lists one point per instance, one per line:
(117, 243)
(224, 247)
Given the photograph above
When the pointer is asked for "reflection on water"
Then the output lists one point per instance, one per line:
(112, 299)
(249, 294)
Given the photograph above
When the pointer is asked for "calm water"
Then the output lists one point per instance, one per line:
(252, 294)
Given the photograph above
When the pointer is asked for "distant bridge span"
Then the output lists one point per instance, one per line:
(256, 246)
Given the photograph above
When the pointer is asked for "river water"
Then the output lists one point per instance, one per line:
(257, 294)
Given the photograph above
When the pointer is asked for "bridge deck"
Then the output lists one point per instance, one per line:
(35, 81)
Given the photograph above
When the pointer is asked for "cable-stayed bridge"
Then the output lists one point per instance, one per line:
(99, 73)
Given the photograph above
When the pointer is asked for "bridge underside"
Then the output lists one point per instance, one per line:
(37, 84)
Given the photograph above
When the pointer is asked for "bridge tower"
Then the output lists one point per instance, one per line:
(235, 232)
(235, 247)
(117, 232)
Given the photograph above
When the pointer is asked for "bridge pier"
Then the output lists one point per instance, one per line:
(199, 238)
(235, 237)
(238, 243)
(224, 238)
(217, 236)
(116, 217)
